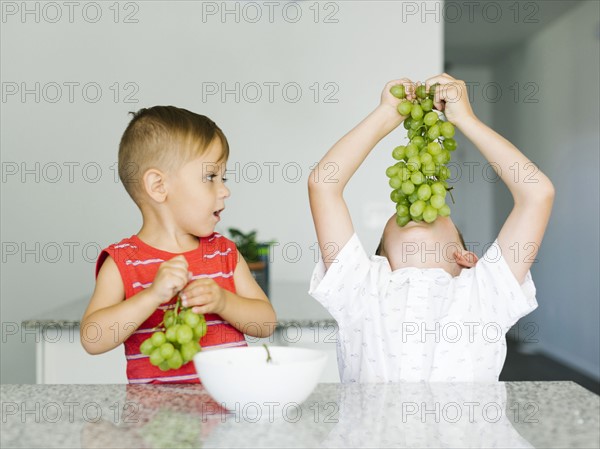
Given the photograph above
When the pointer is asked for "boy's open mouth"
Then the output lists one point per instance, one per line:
(217, 213)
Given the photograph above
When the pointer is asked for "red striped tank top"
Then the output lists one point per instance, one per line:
(215, 257)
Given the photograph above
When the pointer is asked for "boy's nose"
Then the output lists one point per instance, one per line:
(224, 192)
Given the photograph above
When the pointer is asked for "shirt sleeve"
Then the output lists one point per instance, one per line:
(344, 288)
(501, 298)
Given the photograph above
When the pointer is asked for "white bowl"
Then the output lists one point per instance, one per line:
(241, 380)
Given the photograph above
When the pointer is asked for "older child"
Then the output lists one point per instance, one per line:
(426, 309)
(172, 164)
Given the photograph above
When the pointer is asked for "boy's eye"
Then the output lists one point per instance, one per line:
(224, 179)
(210, 177)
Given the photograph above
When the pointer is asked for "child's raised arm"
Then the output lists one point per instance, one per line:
(329, 210)
(532, 192)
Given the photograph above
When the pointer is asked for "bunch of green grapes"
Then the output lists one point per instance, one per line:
(178, 344)
(419, 176)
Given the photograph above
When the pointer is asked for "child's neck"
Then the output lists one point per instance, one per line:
(168, 240)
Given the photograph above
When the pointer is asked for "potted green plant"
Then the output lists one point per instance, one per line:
(256, 255)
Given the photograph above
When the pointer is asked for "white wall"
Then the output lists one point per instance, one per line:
(560, 134)
(168, 56)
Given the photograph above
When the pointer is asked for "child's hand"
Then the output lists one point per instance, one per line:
(204, 296)
(388, 100)
(171, 278)
(451, 97)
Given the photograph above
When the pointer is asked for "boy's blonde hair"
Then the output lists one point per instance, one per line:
(164, 138)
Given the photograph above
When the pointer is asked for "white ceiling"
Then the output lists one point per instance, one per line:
(482, 38)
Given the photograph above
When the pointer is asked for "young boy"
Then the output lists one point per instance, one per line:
(426, 309)
(172, 164)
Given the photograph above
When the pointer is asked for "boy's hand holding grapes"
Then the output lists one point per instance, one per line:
(390, 102)
(203, 296)
(171, 278)
(452, 98)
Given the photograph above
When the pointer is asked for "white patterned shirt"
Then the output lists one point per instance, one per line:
(416, 324)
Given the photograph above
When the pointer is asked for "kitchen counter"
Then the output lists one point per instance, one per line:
(291, 301)
(514, 414)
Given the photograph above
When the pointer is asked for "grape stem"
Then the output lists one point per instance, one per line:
(269, 359)
(449, 191)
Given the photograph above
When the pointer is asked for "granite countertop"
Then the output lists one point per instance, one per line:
(291, 301)
(513, 414)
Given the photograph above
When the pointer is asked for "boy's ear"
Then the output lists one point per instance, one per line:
(154, 185)
(465, 259)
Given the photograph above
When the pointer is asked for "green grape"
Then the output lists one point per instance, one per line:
(407, 123)
(184, 334)
(188, 350)
(416, 124)
(421, 91)
(169, 318)
(437, 188)
(176, 360)
(416, 208)
(171, 333)
(411, 150)
(426, 158)
(164, 366)
(402, 220)
(407, 187)
(417, 178)
(412, 133)
(395, 182)
(403, 173)
(447, 130)
(413, 197)
(440, 159)
(399, 152)
(166, 350)
(444, 173)
(404, 201)
(398, 91)
(430, 214)
(427, 104)
(413, 163)
(428, 169)
(390, 173)
(416, 112)
(433, 132)
(434, 148)
(424, 192)
(444, 211)
(401, 210)
(418, 141)
(450, 144)
(437, 201)
(430, 118)
(158, 338)
(396, 195)
(405, 108)
(147, 347)
(156, 357)
(200, 331)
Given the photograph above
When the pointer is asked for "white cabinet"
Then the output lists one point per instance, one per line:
(60, 359)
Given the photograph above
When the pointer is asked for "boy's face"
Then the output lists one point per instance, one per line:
(422, 244)
(197, 193)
